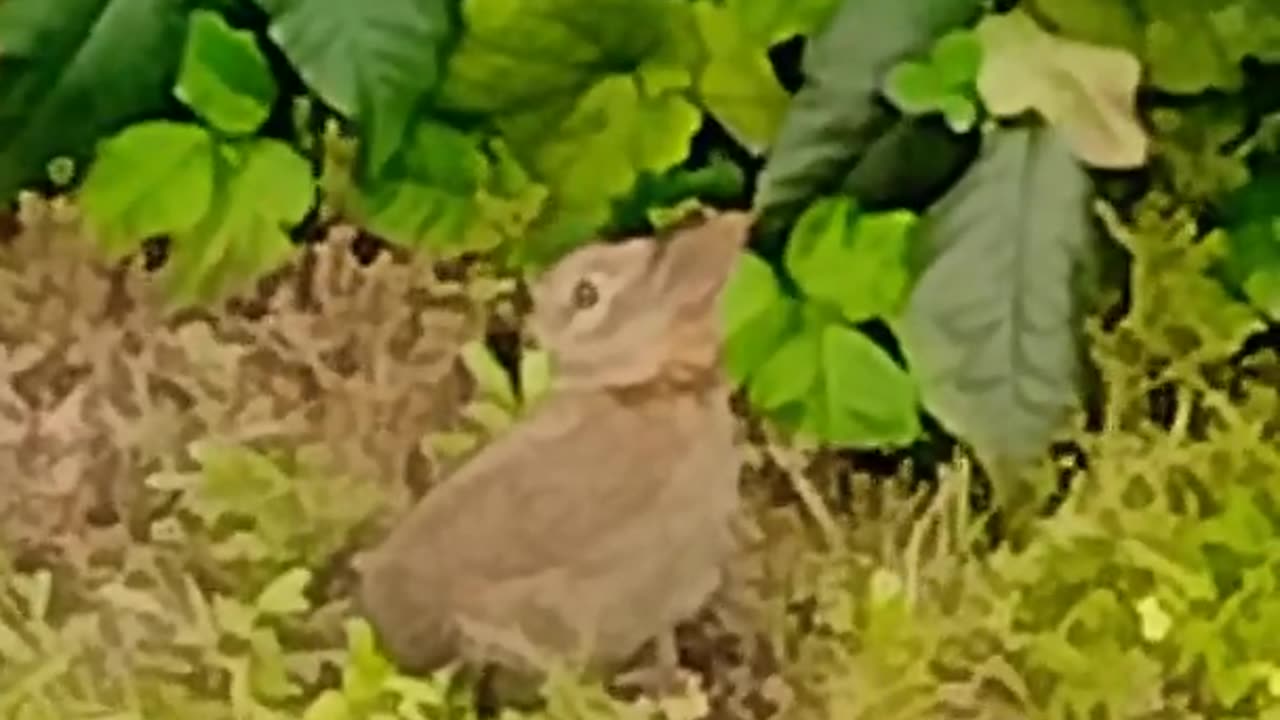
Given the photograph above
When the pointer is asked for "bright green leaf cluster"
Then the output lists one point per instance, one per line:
(799, 357)
(225, 198)
(942, 82)
(587, 97)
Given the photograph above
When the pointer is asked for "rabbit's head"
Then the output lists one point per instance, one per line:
(627, 313)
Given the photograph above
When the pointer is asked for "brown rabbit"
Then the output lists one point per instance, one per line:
(602, 519)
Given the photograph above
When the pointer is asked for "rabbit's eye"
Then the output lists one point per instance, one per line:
(585, 295)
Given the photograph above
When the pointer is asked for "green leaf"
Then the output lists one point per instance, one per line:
(373, 62)
(737, 84)
(76, 71)
(914, 87)
(224, 77)
(589, 93)
(772, 21)
(755, 316)
(155, 178)
(450, 192)
(856, 263)
(835, 121)
(286, 594)
(867, 399)
(1088, 92)
(991, 328)
(957, 57)
(789, 373)
(265, 187)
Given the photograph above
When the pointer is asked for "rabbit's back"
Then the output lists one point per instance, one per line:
(598, 522)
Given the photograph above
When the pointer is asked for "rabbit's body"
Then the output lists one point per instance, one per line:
(603, 518)
(591, 558)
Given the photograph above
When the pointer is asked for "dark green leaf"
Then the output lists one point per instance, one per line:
(835, 118)
(72, 72)
(224, 77)
(372, 61)
(155, 178)
(992, 324)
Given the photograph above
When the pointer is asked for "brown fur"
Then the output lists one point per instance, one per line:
(603, 518)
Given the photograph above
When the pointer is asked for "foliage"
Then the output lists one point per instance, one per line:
(799, 356)
(933, 233)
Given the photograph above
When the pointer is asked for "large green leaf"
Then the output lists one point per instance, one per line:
(72, 72)
(589, 93)
(992, 324)
(856, 263)
(836, 118)
(756, 316)
(224, 76)
(264, 189)
(153, 178)
(737, 84)
(371, 61)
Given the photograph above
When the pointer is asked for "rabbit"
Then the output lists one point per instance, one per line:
(604, 517)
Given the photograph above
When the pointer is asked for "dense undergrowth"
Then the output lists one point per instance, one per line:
(185, 482)
(1150, 592)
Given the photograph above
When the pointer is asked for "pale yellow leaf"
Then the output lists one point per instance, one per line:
(1088, 92)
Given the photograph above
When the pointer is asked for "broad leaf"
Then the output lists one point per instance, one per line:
(1088, 92)
(737, 84)
(155, 178)
(836, 118)
(372, 61)
(450, 192)
(265, 188)
(832, 383)
(756, 316)
(790, 373)
(992, 324)
(589, 93)
(772, 21)
(224, 77)
(74, 72)
(867, 400)
(856, 263)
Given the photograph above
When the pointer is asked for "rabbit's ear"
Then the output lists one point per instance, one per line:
(695, 264)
